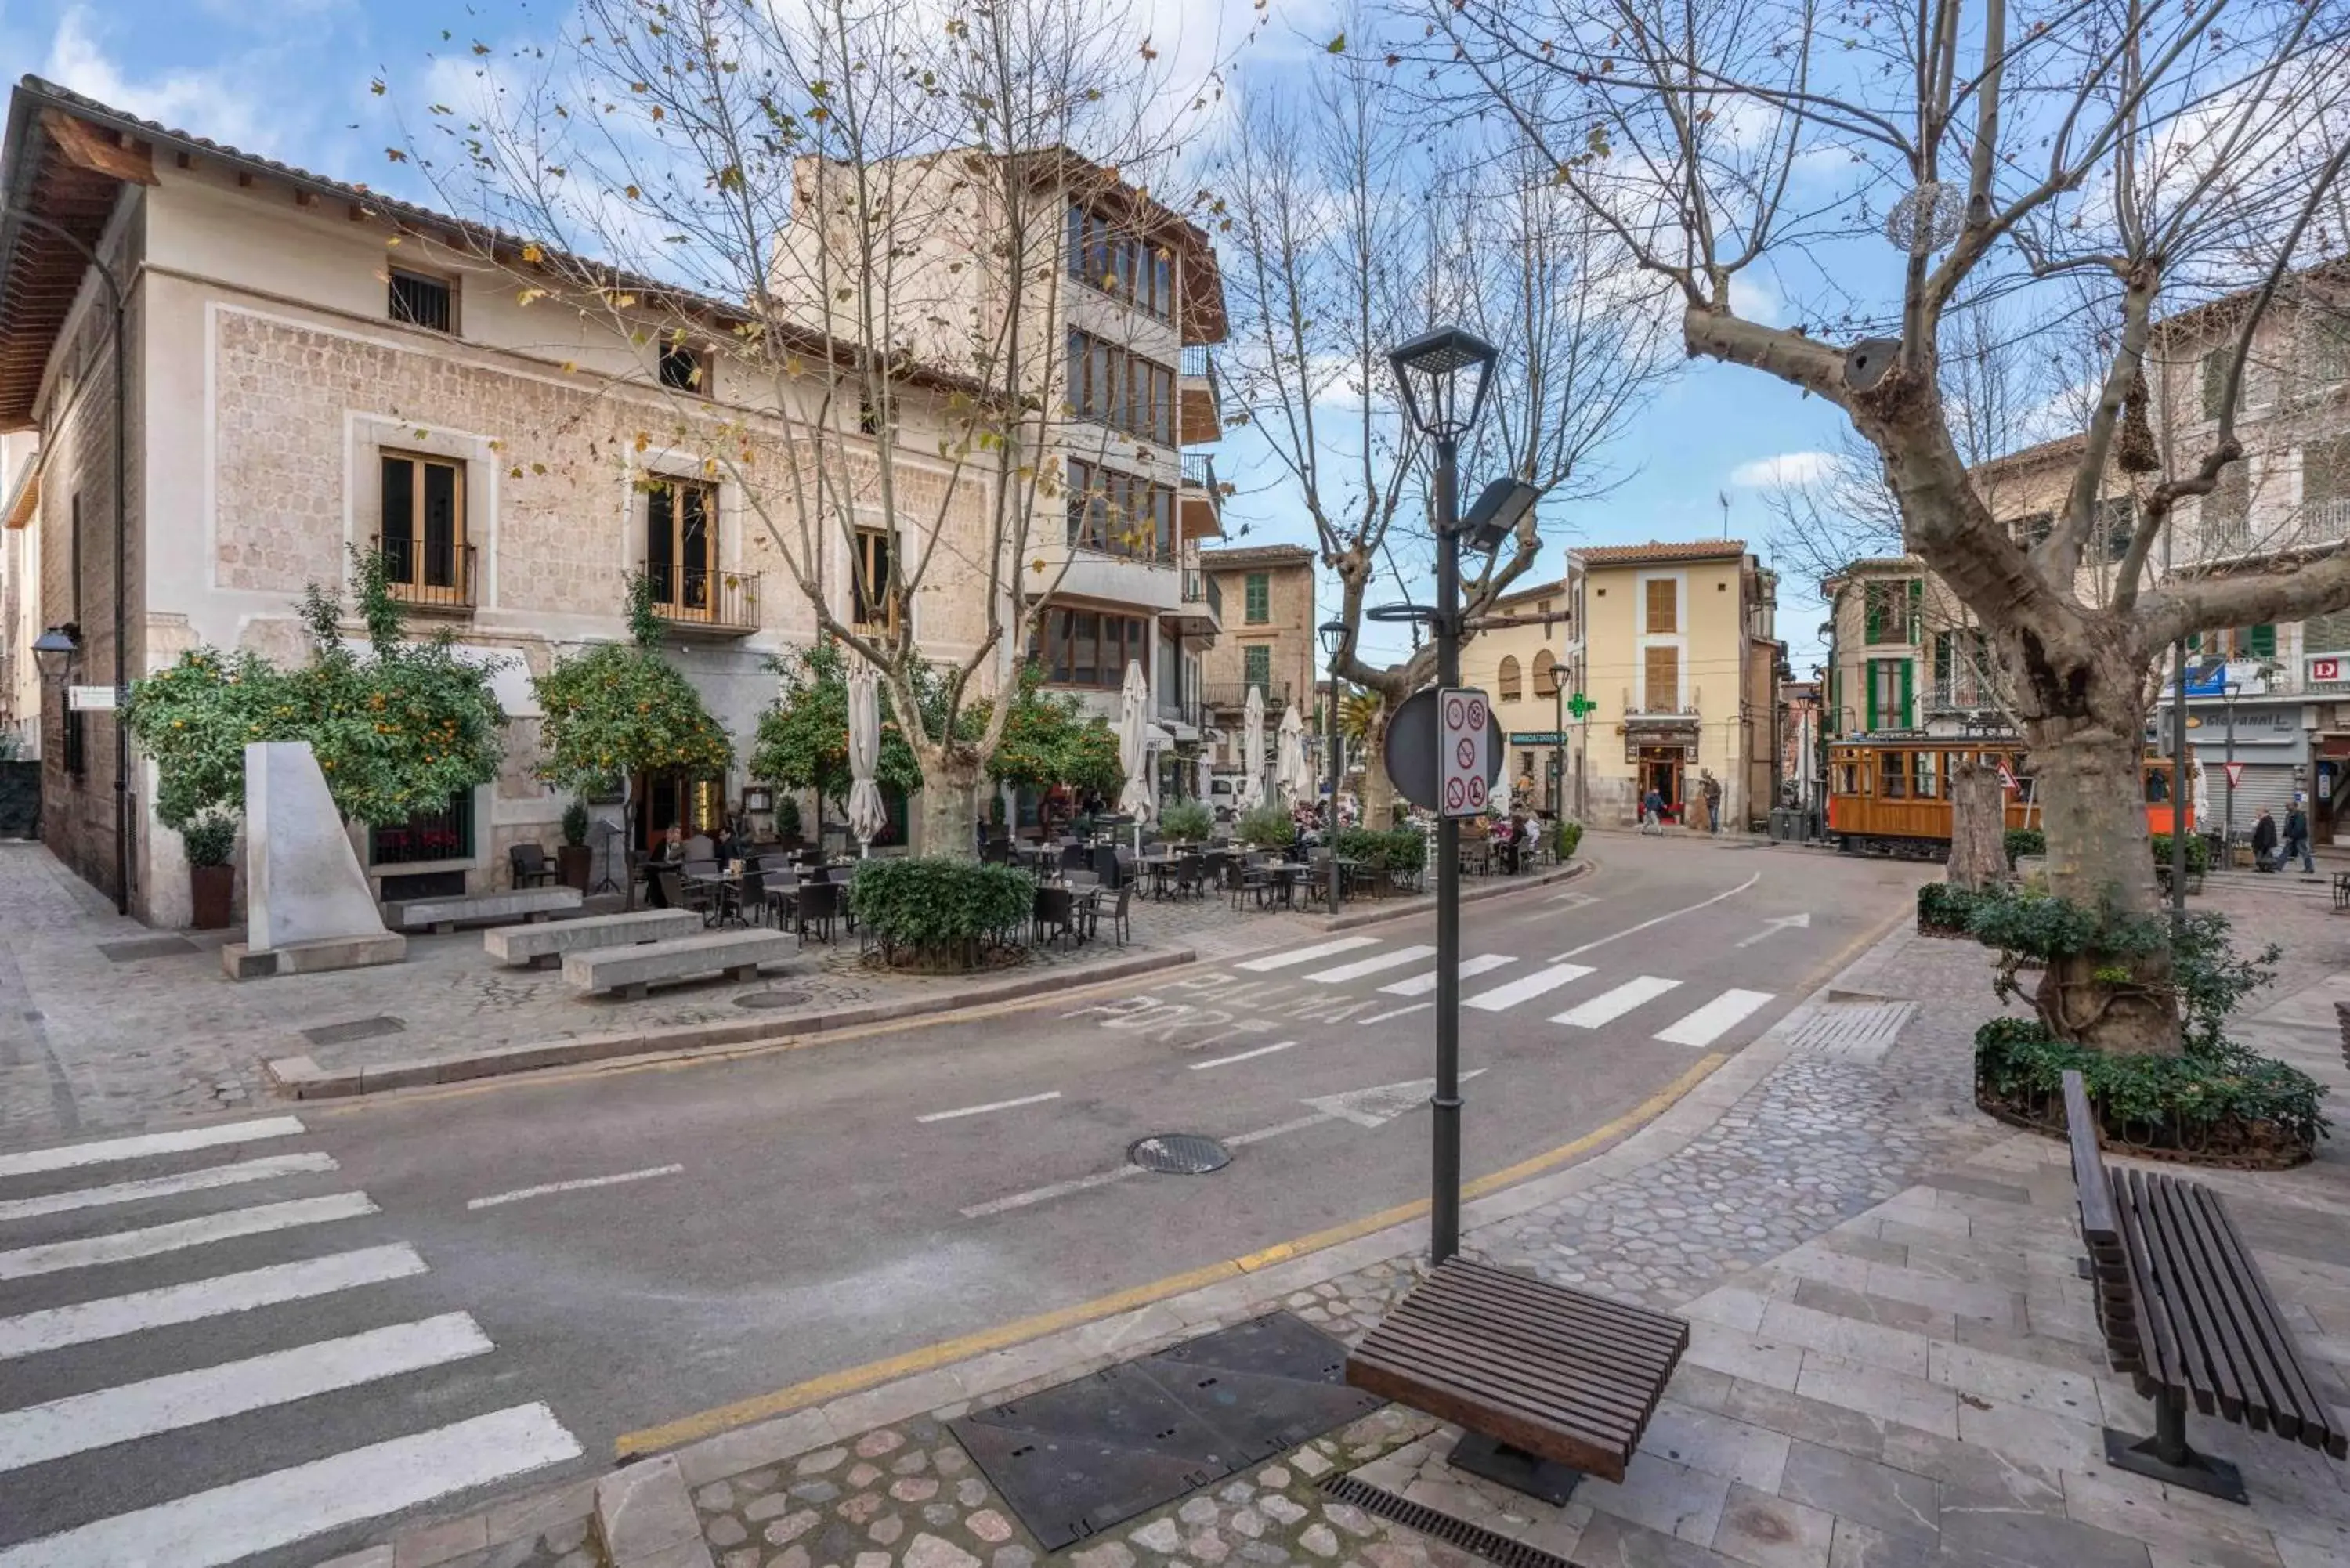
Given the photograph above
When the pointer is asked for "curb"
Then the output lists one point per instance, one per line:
(1520, 884)
(301, 1077)
(645, 1519)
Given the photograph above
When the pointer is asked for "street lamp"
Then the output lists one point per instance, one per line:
(1334, 643)
(1444, 375)
(55, 651)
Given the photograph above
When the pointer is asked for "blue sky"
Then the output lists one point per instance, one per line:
(291, 80)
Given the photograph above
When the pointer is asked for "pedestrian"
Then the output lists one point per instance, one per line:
(1712, 802)
(2264, 842)
(1652, 811)
(2296, 836)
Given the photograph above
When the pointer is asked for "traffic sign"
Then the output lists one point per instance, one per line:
(1412, 750)
(1581, 706)
(2006, 778)
(1464, 730)
(2235, 772)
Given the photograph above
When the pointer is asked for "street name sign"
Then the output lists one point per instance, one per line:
(92, 699)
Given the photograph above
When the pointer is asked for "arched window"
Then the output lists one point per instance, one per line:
(1509, 680)
(1545, 674)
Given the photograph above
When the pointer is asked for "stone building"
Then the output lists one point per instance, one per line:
(1681, 660)
(20, 595)
(1265, 594)
(1523, 656)
(312, 367)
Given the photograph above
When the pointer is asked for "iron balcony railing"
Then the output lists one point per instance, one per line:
(1180, 710)
(705, 597)
(1198, 361)
(1199, 471)
(427, 575)
(1201, 588)
(1233, 695)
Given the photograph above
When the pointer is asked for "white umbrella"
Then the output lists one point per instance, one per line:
(1289, 758)
(867, 816)
(1252, 751)
(1134, 745)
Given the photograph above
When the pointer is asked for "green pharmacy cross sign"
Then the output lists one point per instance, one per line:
(1580, 706)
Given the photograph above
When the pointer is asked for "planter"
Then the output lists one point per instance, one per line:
(575, 864)
(212, 891)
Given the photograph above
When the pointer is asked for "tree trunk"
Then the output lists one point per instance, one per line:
(1379, 790)
(949, 807)
(1978, 829)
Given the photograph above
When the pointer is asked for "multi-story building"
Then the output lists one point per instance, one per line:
(313, 368)
(1522, 655)
(20, 595)
(1269, 643)
(1681, 660)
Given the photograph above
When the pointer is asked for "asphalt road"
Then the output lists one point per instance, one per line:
(519, 1273)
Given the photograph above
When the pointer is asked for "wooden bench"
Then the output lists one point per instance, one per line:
(1547, 1381)
(511, 904)
(2186, 1313)
(542, 946)
(629, 969)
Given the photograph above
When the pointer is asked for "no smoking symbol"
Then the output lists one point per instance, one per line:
(1454, 795)
(1468, 755)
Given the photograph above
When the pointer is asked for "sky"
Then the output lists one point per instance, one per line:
(292, 79)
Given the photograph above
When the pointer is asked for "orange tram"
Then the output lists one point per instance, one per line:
(1892, 796)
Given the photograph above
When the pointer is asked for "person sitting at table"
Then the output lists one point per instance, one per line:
(726, 841)
(669, 848)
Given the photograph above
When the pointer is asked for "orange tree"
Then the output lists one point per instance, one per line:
(620, 709)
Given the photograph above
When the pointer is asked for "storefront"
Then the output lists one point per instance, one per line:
(2269, 739)
(1662, 754)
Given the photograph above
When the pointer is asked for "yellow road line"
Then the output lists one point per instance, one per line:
(930, 1358)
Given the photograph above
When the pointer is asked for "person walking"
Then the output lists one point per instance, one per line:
(1652, 811)
(1712, 787)
(2296, 836)
(2264, 842)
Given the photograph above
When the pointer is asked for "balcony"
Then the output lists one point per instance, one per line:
(1232, 696)
(702, 604)
(1202, 612)
(427, 580)
(1200, 408)
(1200, 504)
(1128, 572)
(1174, 710)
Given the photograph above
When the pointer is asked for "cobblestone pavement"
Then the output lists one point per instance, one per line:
(91, 1040)
(1893, 1363)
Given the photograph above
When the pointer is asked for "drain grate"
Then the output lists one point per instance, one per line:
(140, 947)
(1180, 1154)
(766, 999)
(1491, 1545)
(357, 1029)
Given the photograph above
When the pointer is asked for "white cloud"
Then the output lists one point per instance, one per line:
(1787, 468)
(222, 107)
(1754, 300)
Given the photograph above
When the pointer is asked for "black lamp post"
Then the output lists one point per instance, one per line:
(54, 650)
(1334, 643)
(1444, 375)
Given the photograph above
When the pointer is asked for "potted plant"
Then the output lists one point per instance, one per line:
(788, 821)
(574, 863)
(210, 840)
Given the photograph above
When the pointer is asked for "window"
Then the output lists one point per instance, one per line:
(2258, 641)
(1891, 611)
(2116, 523)
(1849, 777)
(1120, 264)
(680, 543)
(76, 742)
(2329, 347)
(444, 833)
(1662, 670)
(2032, 530)
(423, 537)
(1960, 669)
(1259, 598)
(1545, 674)
(873, 596)
(2325, 489)
(1664, 604)
(1922, 778)
(1888, 694)
(1120, 389)
(1893, 774)
(1509, 680)
(1256, 667)
(422, 301)
(1120, 513)
(1082, 648)
(683, 370)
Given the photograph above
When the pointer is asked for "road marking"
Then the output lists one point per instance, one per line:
(1610, 1005)
(1308, 955)
(1361, 967)
(147, 1144)
(1801, 922)
(1421, 984)
(578, 1184)
(236, 1521)
(991, 1105)
(1245, 1055)
(1057, 1189)
(1382, 1103)
(1660, 919)
(123, 1245)
(269, 1169)
(53, 1328)
(71, 1425)
(1300, 1125)
(1398, 1011)
(1527, 987)
(1710, 1023)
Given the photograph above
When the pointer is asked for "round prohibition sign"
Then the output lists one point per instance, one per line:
(1476, 714)
(1453, 796)
(1455, 714)
(1476, 790)
(1468, 755)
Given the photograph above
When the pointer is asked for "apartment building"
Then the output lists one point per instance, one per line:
(20, 595)
(1265, 593)
(311, 368)
(1681, 660)
(1524, 655)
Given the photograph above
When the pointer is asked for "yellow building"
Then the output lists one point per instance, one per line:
(1680, 660)
(1522, 655)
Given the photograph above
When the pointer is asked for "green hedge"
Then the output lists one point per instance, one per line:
(210, 839)
(2022, 841)
(1390, 849)
(1267, 828)
(1945, 908)
(1564, 834)
(1187, 821)
(939, 912)
(2198, 853)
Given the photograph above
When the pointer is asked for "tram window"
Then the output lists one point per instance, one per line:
(1894, 773)
(1926, 781)
(1848, 779)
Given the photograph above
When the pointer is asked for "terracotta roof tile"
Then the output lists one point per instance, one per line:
(1661, 550)
(1241, 555)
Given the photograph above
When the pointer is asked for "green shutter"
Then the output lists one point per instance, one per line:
(1870, 677)
(1257, 667)
(1916, 607)
(2194, 642)
(2262, 640)
(1870, 601)
(1908, 698)
(1260, 608)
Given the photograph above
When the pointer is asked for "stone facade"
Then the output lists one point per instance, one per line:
(1293, 655)
(1528, 669)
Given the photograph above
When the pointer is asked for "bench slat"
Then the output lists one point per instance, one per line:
(2099, 1222)
(1424, 1391)
(1600, 1396)
(1576, 1327)
(1548, 1305)
(2209, 1352)
(2237, 1338)
(2311, 1416)
(1481, 1381)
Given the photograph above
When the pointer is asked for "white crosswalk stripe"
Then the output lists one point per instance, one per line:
(1377, 963)
(1715, 1019)
(1611, 1005)
(1421, 984)
(281, 1369)
(1526, 988)
(1308, 955)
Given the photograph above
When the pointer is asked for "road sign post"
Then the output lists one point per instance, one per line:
(1464, 721)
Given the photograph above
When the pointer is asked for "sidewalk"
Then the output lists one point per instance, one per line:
(1893, 1362)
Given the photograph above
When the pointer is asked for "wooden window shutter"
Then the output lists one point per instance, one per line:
(1663, 607)
(1664, 679)
(1908, 696)
(1872, 696)
(2260, 641)
(1917, 608)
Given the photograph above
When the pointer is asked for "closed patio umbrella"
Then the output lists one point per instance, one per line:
(1289, 772)
(868, 814)
(1253, 751)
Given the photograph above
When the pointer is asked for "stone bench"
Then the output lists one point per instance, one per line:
(542, 946)
(629, 969)
(503, 907)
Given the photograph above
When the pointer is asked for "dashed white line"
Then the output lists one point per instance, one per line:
(1660, 919)
(991, 1105)
(1300, 1125)
(1398, 1011)
(269, 1169)
(111, 1150)
(1244, 1056)
(1610, 1005)
(578, 1184)
(1057, 1189)
(1527, 987)
(53, 1328)
(1421, 984)
(122, 1245)
(1361, 967)
(1307, 955)
(1716, 1018)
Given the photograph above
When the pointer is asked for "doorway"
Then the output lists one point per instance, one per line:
(1660, 769)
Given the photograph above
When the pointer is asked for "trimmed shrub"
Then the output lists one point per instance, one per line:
(1266, 827)
(787, 817)
(2198, 853)
(1188, 821)
(1566, 835)
(210, 839)
(2022, 841)
(1390, 849)
(933, 912)
(575, 823)
(1944, 909)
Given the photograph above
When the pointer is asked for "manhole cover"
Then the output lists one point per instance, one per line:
(766, 999)
(1180, 1154)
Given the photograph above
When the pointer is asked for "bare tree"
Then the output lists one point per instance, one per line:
(1329, 265)
(2149, 155)
(850, 220)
